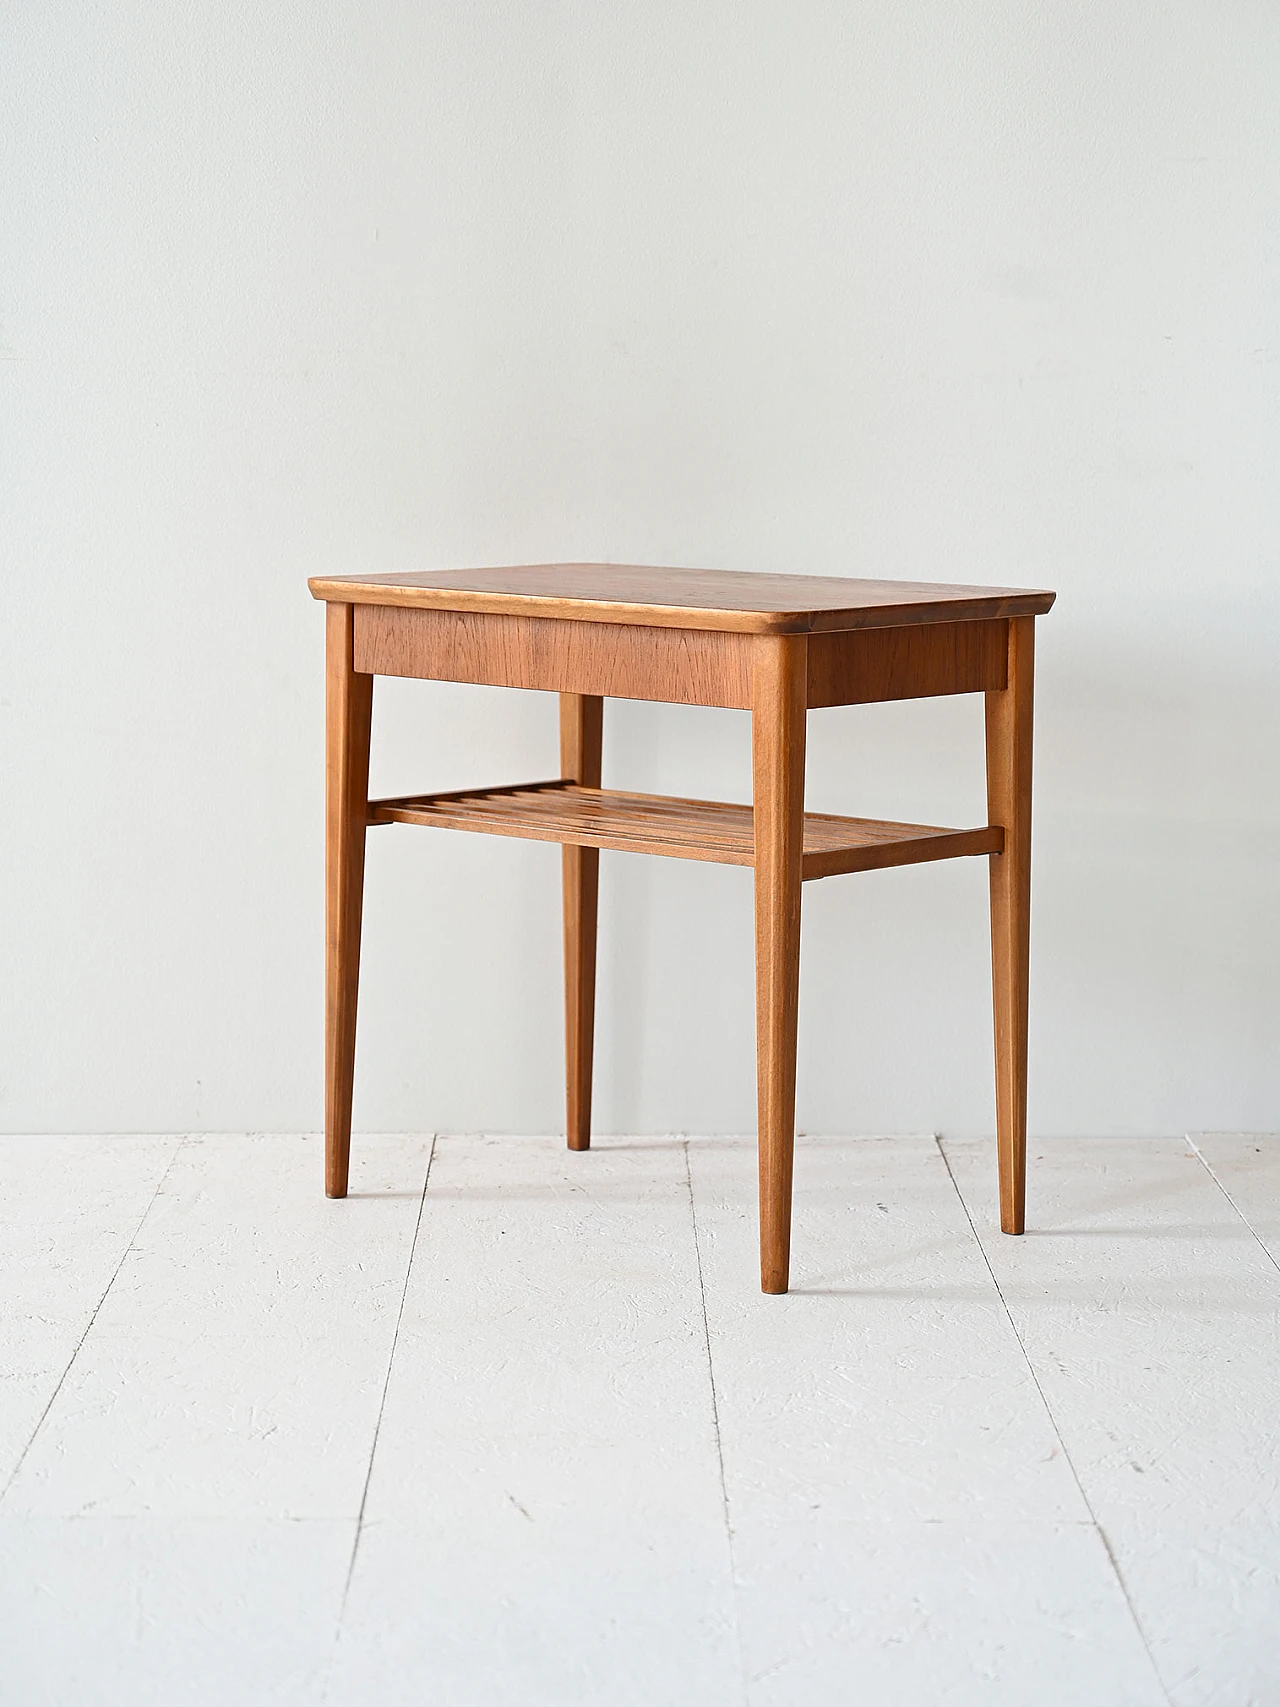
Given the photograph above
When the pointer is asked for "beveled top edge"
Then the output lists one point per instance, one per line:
(730, 600)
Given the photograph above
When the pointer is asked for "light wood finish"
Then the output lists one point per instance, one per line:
(1009, 723)
(777, 758)
(861, 666)
(685, 598)
(581, 736)
(616, 660)
(835, 846)
(679, 666)
(348, 711)
(776, 645)
(715, 830)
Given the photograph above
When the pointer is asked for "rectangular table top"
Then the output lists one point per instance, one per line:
(685, 598)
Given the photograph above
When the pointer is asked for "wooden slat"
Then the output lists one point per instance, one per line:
(687, 666)
(713, 830)
(864, 666)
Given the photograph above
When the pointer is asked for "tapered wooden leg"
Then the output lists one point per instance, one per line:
(348, 711)
(777, 744)
(1009, 804)
(581, 734)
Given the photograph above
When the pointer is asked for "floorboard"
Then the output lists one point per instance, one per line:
(169, 1612)
(888, 1383)
(534, 1437)
(237, 1364)
(1246, 1166)
(69, 1210)
(902, 1509)
(983, 1612)
(1151, 1316)
(545, 1520)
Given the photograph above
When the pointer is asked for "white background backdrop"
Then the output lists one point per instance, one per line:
(984, 292)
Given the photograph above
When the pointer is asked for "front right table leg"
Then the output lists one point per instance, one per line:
(779, 703)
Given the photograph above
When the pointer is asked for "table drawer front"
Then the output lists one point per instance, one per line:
(863, 665)
(617, 660)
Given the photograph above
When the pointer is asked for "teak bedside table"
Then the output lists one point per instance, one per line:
(775, 645)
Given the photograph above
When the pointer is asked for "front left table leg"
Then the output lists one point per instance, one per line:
(348, 714)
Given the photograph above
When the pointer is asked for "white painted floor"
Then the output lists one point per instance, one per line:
(512, 1425)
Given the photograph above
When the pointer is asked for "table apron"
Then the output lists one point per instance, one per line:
(861, 666)
(681, 666)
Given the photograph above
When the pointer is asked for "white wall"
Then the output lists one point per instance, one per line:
(980, 292)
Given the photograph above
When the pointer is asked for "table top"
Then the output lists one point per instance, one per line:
(685, 598)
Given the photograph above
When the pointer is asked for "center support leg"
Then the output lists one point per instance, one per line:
(779, 701)
(581, 735)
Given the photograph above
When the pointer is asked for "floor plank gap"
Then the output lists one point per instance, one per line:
(715, 1413)
(382, 1404)
(1262, 1244)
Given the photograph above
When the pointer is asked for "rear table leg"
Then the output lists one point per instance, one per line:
(581, 736)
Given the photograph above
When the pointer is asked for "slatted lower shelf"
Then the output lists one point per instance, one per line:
(561, 811)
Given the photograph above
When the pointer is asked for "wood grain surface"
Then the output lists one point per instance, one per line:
(714, 830)
(616, 660)
(777, 645)
(863, 666)
(717, 599)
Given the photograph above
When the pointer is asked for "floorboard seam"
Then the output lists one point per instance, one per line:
(382, 1403)
(1053, 1423)
(1207, 1165)
(88, 1327)
(715, 1423)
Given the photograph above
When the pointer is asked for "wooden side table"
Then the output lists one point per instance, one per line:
(775, 645)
